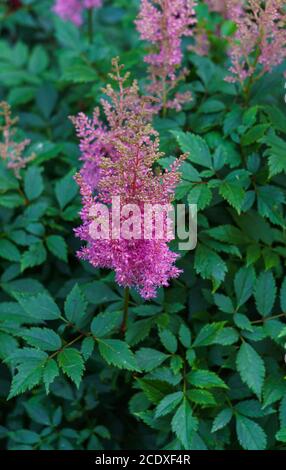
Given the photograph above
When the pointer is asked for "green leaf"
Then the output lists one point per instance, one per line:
(208, 333)
(118, 354)
(148, 359)
(265, 293)
(222, 419)
(185, 336)
(227, 336)
(250, 408)
(105, 323)
(242, 322)
(41, 306)
(250, 435)
(269, 201)
(224, 303)
(184, 424)
(42, 338)
(51, 371)
(46, 99)
(205, 379)
(137, 331)
(37, 411)
(169, 341)
(87, 347)
(254, 134)
(209, 265)
(57, 245)
(243, 284)
(283, 295)
(281, 435)
(71, 362)
(66, 190)
(98, 292)
(33, 182)
(211, 106)
(201, 195)
(25, 436)
(28, 376)
(8, 344)
(282, 412)
(38, 61)
(276, 153)
(9, 251)
(35, 256)
(195, 146)
(155, 390)
(233, 193)
(11, 200)
(79, 73)
(75, 305)
(201, 397)
(168, 404)
(251, 368)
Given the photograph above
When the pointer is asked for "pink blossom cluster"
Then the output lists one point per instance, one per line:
(72, 10)
(163, 23)
(12, 151)
(259, 43)
(118, 161)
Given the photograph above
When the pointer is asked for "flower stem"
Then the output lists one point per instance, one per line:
(90, 25)
(125, 310)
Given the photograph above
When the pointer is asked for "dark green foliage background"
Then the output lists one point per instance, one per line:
(201, 367)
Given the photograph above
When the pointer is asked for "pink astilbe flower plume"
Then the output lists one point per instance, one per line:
(163, 23)
(259, 43)
(72, 10)
(11, 151)
(118, 162)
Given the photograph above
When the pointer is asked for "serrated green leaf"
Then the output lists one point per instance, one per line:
(205, 379)
(201, 397)
(168, 404)
(75, 305)
(195, 146)
(148, 359)
(71, 363)
(184, 424)
(185, 336)
(169, 341)
(281, 435)
(118, 354)
(243, 284)
(9, 251)
(233, 193)
(28, 376)
(251, 368)
(208, 333)
(51, 371)
(222, 419)
(35, 256)
(66, 190)
(250, 435)
(33, 182)
(41, 306)
(57, 245)
(265, 293)
(42, 338)
(87, 347)
(104, 323)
